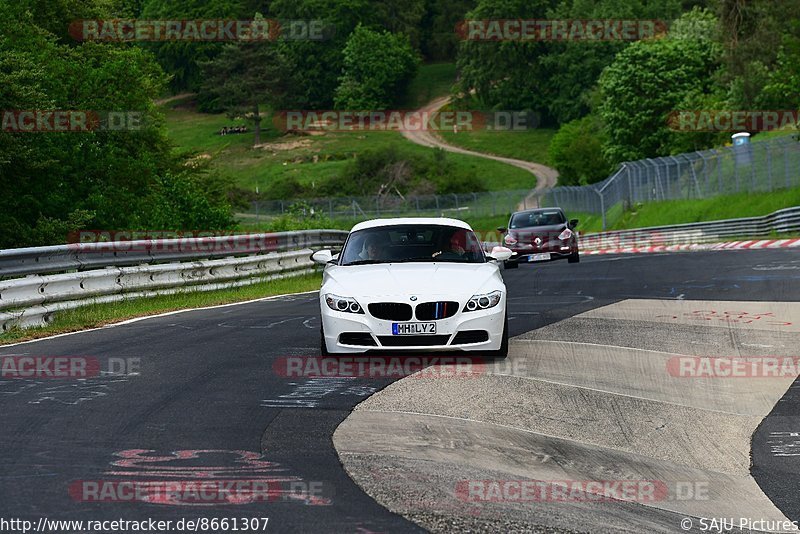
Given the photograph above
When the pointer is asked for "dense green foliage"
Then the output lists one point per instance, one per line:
(242, 77)
(577, 152)
(54, 183)
(377, 68)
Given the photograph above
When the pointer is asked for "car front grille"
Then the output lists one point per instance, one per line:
(470, 336)
(390, 311)
(413, 341)
(430, 311)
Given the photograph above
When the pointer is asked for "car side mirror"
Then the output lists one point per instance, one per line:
(500, 253)
(322, 257)
(573, 224)
(502, 230)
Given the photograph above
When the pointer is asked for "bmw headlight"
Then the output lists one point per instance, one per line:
(483, 302)
(566, 234)
(343, 304)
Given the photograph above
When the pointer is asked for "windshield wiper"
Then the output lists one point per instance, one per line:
(364, 262)
(420, 259)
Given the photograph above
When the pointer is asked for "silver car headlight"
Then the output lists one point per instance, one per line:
(483, 302)
(343, 304)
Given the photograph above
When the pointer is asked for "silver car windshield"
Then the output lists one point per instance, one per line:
(412, 243)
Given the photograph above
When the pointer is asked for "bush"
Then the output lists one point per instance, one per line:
(576, 150)
(378, 67)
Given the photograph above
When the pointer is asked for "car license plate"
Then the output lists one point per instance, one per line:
(413, 329)
(539, 257)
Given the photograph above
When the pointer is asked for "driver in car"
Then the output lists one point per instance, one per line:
(372, 248)
(456, 246)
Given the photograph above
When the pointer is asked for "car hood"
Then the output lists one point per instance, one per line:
(406, 279)
(539, 230)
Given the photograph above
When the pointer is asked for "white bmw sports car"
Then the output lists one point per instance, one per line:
(413, 284)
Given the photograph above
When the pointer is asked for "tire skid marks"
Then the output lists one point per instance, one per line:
(603, 396)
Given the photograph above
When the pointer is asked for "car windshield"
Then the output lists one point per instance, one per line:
(412, 243)
(527, 219)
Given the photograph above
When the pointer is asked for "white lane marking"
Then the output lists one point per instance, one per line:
(276, 323)
(175, 312)
(307, 321)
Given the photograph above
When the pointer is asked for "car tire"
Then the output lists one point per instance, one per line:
(502, 353)
(574, 257)
(510, 265)
(323, 348)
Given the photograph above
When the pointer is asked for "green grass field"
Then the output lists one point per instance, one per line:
(310, 159)
(529, 145)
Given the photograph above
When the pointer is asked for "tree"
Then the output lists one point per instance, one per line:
(377, 68)
(577, 152)
(439, 41)
(182, 59)
(645, 83)
(55, 183)
(316, 65)
(245, 76)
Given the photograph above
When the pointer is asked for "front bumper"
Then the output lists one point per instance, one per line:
(491, 320)
(557, 251)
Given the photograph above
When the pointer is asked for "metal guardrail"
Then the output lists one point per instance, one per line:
(780, 222)
(83, 256)
(107, 272)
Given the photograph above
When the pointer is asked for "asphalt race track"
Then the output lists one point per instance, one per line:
(203, 400)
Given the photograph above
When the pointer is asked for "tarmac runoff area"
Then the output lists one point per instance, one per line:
(638, 391)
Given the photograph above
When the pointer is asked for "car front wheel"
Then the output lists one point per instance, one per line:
(574, 257)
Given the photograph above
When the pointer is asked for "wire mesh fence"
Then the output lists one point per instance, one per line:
(754, 167)
(483, 204)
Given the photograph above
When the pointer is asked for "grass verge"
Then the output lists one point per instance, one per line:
(95, 315)
(707, 209)
(528, 145)
(670, 212)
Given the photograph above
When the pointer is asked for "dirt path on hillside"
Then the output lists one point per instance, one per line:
(545, 176)
(164, 101)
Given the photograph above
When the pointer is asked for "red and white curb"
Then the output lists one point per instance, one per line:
(732, 245)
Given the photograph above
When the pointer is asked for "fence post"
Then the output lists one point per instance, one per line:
(769, 165)
(602, 208)
(786, 166)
